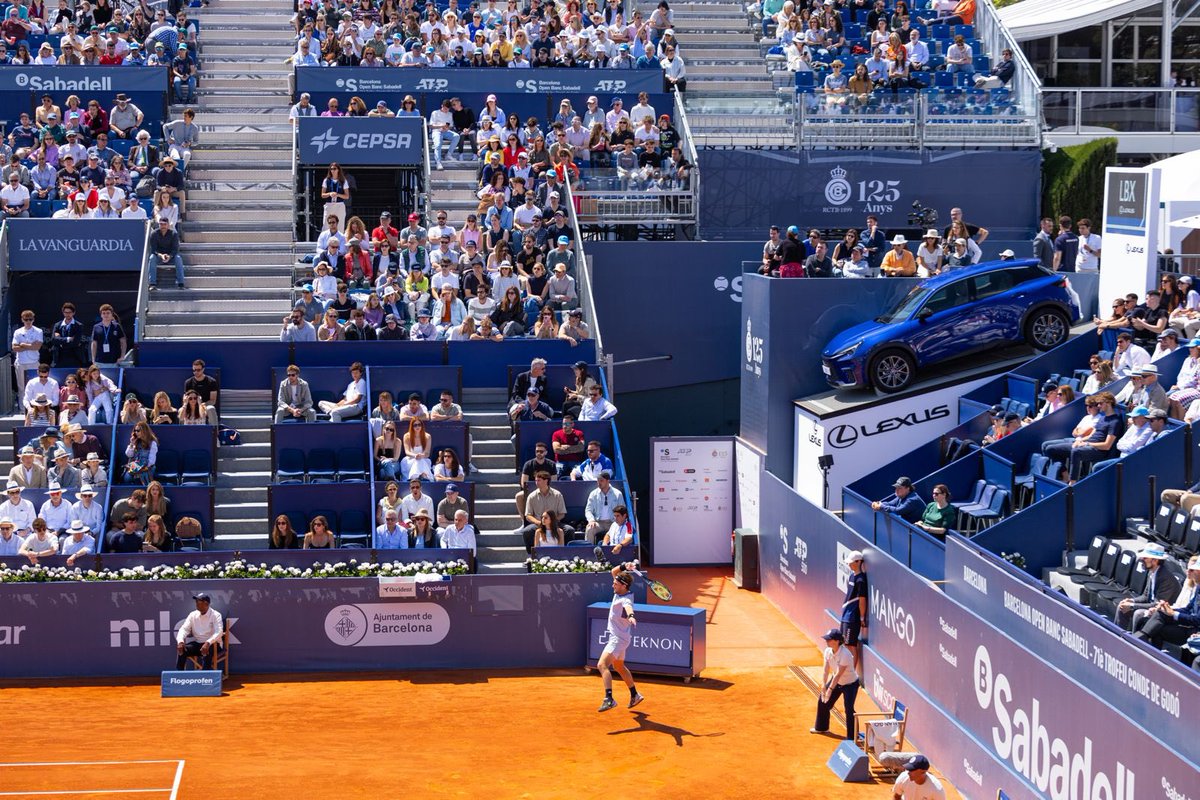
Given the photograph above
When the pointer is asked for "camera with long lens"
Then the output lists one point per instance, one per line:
(921, 215)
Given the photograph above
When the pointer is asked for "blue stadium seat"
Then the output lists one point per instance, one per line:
(57, 205)
(166, 469)
(122, 146)
(40, 208)
(939, 32)
(291, 466)
(804, 80)
(351, 465)
(355, 530)
(322, 466)
(965, 31)
(197, 468)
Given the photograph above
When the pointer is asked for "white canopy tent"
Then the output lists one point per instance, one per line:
(1036, 19)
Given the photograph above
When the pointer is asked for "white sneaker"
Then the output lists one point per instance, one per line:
(439, 166)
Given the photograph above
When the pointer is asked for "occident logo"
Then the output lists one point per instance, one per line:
(387, 624)
(845, 435)
(1021, 737)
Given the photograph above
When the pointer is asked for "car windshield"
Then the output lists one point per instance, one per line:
(905, 308)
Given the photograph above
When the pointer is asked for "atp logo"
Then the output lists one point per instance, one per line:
(838, 190)
(324, 141)
(432, 85)
(610, 86)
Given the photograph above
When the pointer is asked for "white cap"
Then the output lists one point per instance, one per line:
(854, 555)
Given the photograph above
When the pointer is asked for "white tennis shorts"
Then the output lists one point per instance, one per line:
(616, 647)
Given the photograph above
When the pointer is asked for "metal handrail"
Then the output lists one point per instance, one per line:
(295, 168)
(1171, 111)
(689, 145)
(6, 373)
(143, 297)
(424, 194)
(1026, 84)
(583, 277)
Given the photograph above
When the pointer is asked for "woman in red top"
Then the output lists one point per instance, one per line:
(95, 119)
(511, 151)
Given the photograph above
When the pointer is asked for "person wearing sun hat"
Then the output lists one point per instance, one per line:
(27, 473)
(17, 509)
(899, 262)
(62, 472)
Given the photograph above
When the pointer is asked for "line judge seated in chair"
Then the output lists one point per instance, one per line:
(200, 635)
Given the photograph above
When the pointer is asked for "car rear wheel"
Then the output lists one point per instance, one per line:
(1047, 328)
(892, 371)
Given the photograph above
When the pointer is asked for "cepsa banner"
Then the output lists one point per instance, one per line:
(362, 141)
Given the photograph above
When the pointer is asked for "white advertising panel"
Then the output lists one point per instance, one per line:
(1129, 250)
(692, 513)
(748, 461)
(871, 435)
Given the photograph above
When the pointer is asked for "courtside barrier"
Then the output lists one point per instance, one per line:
(302, 625)
(989, 712)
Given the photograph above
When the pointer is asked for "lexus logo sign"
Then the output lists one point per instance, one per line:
(842, 436)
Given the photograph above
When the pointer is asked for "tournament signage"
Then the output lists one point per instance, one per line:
(1139, 684)
(92, 80)
(1130, 238)
(76, 245)
(1027, 726)
(323, 82)
(391, 142)
(692, 485)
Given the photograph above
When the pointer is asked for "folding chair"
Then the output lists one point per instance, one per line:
(291, 466)
(221, 657)
(880, 732)
(322, 466)
(166, 468)
(197, 468)
(351, 465)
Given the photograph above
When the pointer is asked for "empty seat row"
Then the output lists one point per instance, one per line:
(192, 468)
(1039, 467)
(321, 465)
(1175, 529)
(955, 448)
(989, 504)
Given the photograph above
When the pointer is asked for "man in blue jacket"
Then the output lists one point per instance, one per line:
(905, 503)
(1173, 624)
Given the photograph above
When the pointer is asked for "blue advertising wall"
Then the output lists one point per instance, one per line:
(295, 625)
(1019, 723)
(785, 324)
(391, 142)
(146, 86)
(109, 245)
(380, 83)
(699, 327)
(744, 191)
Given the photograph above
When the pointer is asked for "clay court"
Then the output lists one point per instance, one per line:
(740, 731)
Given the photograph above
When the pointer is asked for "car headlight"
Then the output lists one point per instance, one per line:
(846, 352)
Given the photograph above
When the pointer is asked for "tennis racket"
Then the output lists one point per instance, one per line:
(658, 587)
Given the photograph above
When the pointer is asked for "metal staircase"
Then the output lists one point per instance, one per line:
(237, 233)
(244, 471)
(730, 98)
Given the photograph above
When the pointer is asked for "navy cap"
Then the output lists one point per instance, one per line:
(833, 635)
(450, 487)
(202, 596)
(916, 762)
(1011, 417)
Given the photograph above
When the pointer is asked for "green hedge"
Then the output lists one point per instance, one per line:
(1073, 179)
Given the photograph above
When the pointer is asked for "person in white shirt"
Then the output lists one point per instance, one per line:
(39, 543)
(10, 543)
(200, 635)
(915, 783)
(55, 511)
(304, 108)
(620, 533)
(614, 116)
(133, 210)
(595, 408)
(839, 679)
(643, 109)
(86, 510)
(353, 399)
(441, 229)
(1128, 356)
(27, 344)
(14, 197)
(918, 51)
(43, 384)
(79, 542)
(1087, 259)
(441, 131)
(416, 500)
(458, 535)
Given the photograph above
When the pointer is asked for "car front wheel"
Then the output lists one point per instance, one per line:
(892, 371)
(1047, 329)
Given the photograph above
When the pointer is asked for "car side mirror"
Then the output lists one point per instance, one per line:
(924, 314)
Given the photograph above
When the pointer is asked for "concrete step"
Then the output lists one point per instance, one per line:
(174, 329)
(263, 251)
(268, 52)
(496, 447)
(241, 494)
(220, 83)
(246, 526)
(717, 87)
(486, 567)
(738, 37)
(270, 317)
(230, 290)
(514, 556)
(222, 195)
(218, 177)
(248, 479)
(248, 34)
(218, 20)
(494, 461)
(205, 155)
(238, 236)
(239, 463)
(263, 215)
(249, 120)
(167, 301)
(720, 71)
(506, 492)
(281, 135)
(496, 539)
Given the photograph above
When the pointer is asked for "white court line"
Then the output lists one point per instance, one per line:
(85, 763)
(178, 778)
(84, 791)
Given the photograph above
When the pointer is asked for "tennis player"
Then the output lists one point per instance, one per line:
(620, 631)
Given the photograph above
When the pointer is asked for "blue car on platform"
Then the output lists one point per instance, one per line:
(957, 313)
